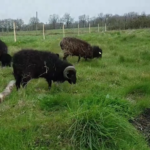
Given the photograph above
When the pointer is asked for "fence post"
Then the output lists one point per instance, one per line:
(14, 26)
(105, 27)
(63, 30)
(98, 27)
(43, 32)
(89, 28)
(78, 29)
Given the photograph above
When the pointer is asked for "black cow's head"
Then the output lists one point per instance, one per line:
(70, 74)
(97, 52)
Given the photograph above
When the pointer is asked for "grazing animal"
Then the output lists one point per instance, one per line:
(28, 64)
(76, 47)
(3, 48)
(5, 60)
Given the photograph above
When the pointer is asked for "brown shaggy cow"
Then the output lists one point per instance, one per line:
(76, 47)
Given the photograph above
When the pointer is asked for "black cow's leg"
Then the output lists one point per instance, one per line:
(25, 81)
(49, 83)
(3, 64)
(18, 81)
(79, 58)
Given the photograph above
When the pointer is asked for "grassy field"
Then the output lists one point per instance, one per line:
(94, 114)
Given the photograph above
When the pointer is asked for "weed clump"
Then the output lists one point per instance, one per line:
(100, 128)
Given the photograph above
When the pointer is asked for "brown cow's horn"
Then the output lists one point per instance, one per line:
(68, 69)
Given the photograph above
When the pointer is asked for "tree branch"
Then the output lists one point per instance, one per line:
(7, 90)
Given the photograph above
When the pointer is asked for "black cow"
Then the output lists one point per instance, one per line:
(28, 64)
(5, 60)
(3, 48)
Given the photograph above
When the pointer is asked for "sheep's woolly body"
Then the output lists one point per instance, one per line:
(3, 48)
(28, 64)
(76, 47)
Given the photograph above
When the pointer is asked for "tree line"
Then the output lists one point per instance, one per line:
(131, 20)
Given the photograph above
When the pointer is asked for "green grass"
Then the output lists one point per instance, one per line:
(94, 114)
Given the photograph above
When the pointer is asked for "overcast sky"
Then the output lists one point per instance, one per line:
(25, 9)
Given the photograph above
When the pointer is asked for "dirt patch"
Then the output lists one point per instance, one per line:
(142, 123)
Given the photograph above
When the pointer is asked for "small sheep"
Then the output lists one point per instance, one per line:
(76, 47)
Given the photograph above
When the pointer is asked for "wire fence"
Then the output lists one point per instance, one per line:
(62, 32)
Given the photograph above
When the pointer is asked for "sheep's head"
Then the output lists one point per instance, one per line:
(97, 52)
(70, 74)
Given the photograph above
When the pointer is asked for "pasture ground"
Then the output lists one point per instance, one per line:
(101, 112)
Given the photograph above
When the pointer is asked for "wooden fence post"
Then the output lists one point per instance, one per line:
(14, 26)
(89, 28)
(98, 27)
(78, 29)
(105, 27)
(63, 31)
(43, 32)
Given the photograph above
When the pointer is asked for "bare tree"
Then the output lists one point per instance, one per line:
(53, 19)
(33, 21)
(93, 21)
(19, 23)
(130, 20)
(6, 25)
(82, 20)
(60, 22)
(101, 19)
(68, 20)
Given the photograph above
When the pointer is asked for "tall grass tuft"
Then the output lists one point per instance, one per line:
(97, 127)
